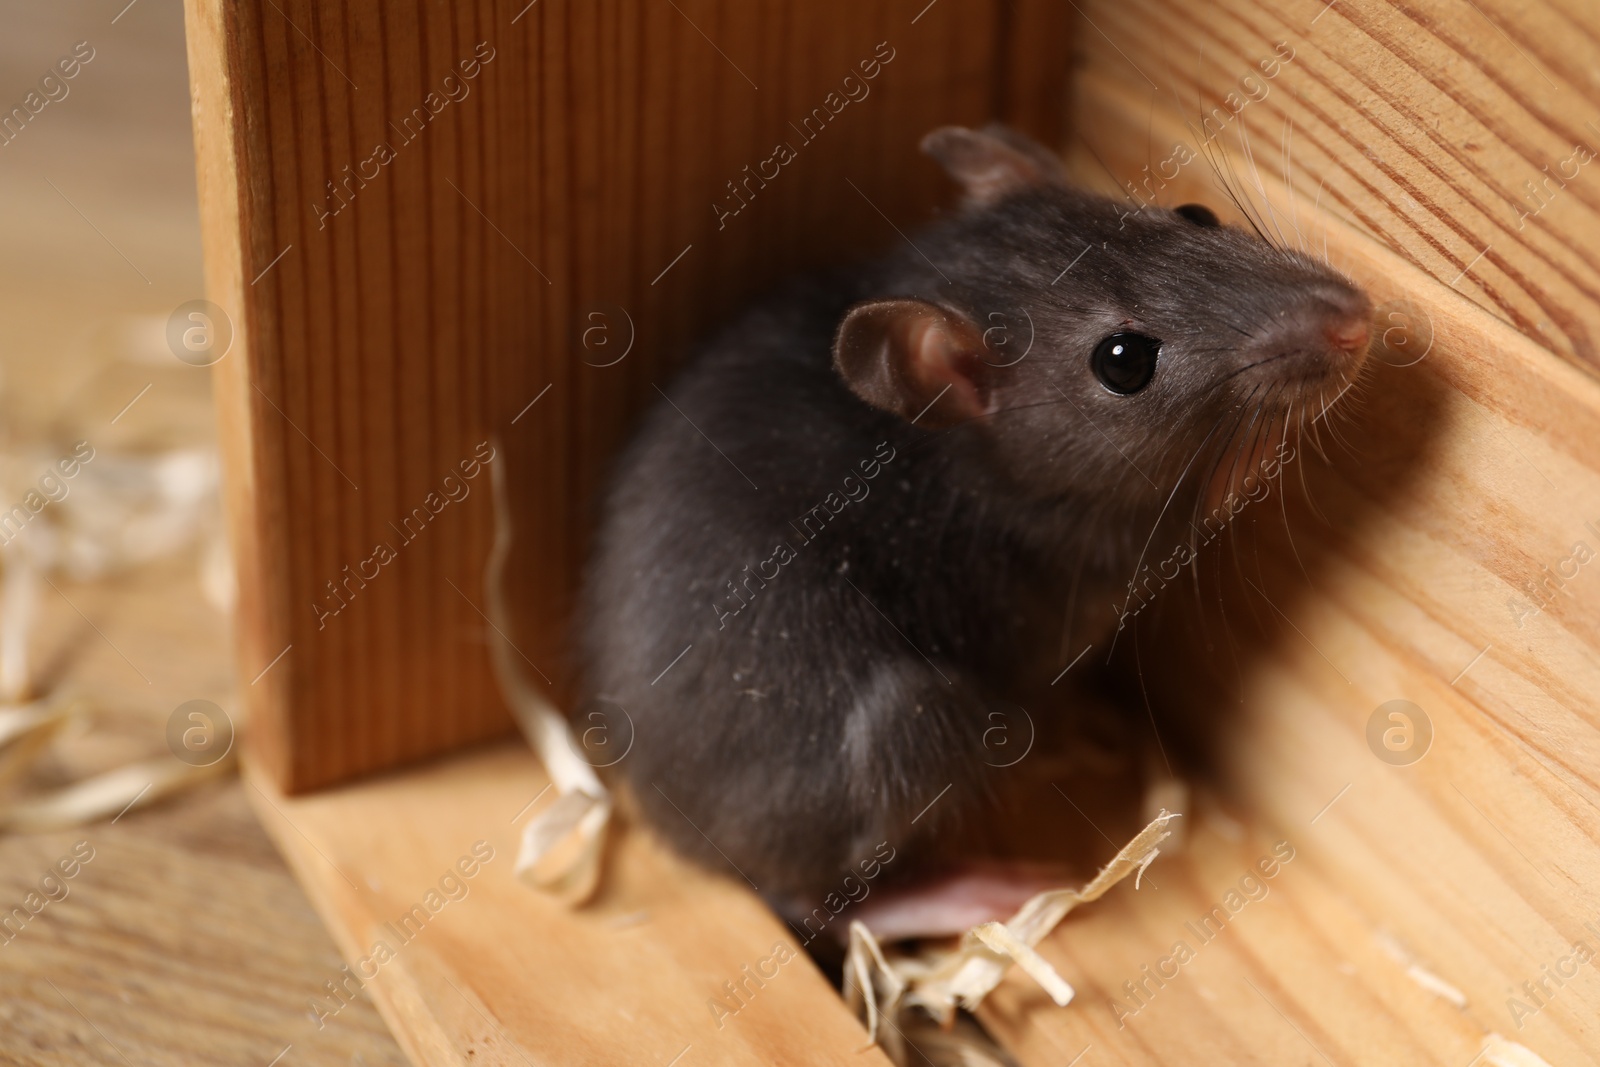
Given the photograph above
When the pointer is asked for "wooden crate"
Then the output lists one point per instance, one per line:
(576, 175)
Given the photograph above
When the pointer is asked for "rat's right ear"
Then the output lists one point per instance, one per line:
(916, 360)
(993, 162)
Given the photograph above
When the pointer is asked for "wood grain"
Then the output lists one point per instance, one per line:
(183, 941)
(422, 305)
(1298, 946)
(505, 974)
(1422, 124)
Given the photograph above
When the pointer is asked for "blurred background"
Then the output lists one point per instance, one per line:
(184, 939)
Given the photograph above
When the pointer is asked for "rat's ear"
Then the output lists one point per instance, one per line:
(916, 360)
(993, 162)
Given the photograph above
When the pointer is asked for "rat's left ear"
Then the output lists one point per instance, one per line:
(993, 162)
(916, 360)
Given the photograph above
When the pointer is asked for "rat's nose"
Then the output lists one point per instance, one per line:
(1348, 334)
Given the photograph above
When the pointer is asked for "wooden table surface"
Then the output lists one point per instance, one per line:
(184, 940)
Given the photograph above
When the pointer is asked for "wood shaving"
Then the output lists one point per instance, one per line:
(1418, 973)
(1166, 793)
(128, 510)
(885, 987)
(563, 846)
(117, 512)
(1498, 1052)
(110, 794)
(26, 731)
(19, 599)
(1436, 985)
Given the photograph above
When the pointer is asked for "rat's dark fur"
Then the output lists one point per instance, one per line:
(826, 700)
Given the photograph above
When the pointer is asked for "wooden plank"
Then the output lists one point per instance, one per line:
(184, 940)
(499, 973)
(1462, 477)
(1432, 127)
(578, 180)
(1029, 57)
(1297, 945)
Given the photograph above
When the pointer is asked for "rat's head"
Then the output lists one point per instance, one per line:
(1094, 347)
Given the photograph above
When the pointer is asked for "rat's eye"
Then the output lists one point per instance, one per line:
(1198, 214)
(1125, 362)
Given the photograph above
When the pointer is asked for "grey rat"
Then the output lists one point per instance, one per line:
(855, 528)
